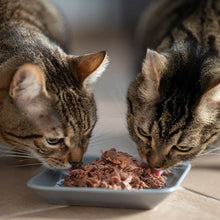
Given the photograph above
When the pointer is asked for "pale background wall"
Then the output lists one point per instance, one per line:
(91, 15)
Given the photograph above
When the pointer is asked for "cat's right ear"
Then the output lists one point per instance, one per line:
(27, 84)
(87, 68)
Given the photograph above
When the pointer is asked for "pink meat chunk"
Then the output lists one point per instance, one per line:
(115, 170)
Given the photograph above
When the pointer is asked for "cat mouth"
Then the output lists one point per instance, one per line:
(74, 165)
(154, 171)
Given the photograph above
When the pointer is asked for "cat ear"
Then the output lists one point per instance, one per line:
(152, 67)
(28, 91)
(89, 67)
(209, 105)
(28, 83)
(152, 71)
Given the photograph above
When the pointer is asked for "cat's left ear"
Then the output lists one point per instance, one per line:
(209, 105)
(152, 71)
(153, 67)
(89, 67)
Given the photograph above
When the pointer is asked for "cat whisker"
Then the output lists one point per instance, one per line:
(26, 165)
(10, 149)
(23, 159)
(212, 154)
(21, 156)
(208, 152)
(213, 148)
(11, 154)
(17, 152)
(173, 169)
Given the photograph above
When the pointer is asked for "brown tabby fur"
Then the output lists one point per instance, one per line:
(173, 104)
(44, 93)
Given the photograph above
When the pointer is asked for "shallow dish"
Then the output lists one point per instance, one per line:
(47, 185)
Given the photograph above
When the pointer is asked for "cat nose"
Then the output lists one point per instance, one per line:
(75, 155)
(155, 164)
(155, 161)
(157, 167)
(73, 161)
(75, 164)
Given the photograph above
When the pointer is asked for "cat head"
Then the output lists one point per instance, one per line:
(173, 107)
(51, 111)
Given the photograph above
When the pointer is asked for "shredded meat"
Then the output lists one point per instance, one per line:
(115, 170)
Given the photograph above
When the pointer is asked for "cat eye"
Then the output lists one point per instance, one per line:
(53, 141)
(143, 133)
(182, 148)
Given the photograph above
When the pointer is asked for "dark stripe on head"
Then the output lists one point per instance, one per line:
(171, 40)
(170, 106)
(160, 128)
(210, 137)
(212, 46)
(130, 106)
(214, 7)
(159, 111)
(151, 126)
(173, 133)
(33, 136)
(190, 37)
(185, 9)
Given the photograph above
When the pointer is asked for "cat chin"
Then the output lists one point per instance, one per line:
(51, 167)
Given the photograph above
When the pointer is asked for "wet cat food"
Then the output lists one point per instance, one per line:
(115, 170)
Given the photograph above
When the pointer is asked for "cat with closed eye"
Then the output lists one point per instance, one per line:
(47, 107)
(173, 103)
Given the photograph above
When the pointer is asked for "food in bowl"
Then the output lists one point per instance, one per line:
(114, 170)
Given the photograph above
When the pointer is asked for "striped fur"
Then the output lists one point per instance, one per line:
(43, 91)
(176, 102)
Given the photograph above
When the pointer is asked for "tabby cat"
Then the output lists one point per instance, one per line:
(46, 103)
(173, 104)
